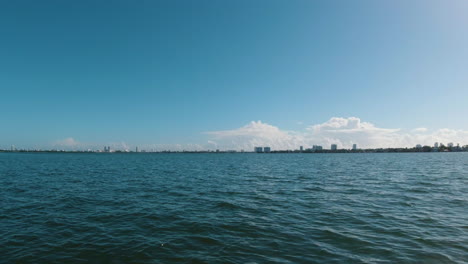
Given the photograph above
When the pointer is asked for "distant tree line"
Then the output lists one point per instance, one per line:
(441, 148)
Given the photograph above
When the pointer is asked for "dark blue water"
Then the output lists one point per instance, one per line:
(234, 208)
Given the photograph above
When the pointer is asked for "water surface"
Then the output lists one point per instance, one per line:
(234, 208)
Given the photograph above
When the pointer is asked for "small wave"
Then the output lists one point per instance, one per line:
(227, 205)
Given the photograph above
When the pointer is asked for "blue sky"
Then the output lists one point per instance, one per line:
(167, 72)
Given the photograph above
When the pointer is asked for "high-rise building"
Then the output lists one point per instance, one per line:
(258, 149)
(450, 145)
(316, 148)
(136, 149)
(418, 146)
(354, 147)
(267, 149)
(301, 148)
(436, 145)
(334, 147)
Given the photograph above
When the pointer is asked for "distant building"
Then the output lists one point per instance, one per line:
(436, 145)
(317, 148)
(418, 146)
(334, 147)
(136, 149)
(354, 147)
(267, 149)
(301, 148)
(258, 149)
(450, 145)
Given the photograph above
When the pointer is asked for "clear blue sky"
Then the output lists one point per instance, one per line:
(167, 71)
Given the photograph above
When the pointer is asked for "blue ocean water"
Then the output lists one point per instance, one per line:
(234, 208)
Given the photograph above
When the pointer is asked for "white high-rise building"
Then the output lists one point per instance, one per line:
(436, 145)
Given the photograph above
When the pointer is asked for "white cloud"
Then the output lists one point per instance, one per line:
(420, 130)
(67, 142)
(174, 147)
(256, 133)
(73, 144)
(347, 125)
(338, 130)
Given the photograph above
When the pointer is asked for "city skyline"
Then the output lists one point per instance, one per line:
(334, 148)
(218, 75)
(344, 132)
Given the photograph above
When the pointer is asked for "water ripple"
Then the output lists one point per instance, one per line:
(245, 208)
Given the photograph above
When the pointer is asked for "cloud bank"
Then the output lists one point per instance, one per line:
(72, 144)
(67, 143)
(338, 130)
(256, 134)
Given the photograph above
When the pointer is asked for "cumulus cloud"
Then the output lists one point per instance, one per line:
(420, 130)
(338, 130)
(67, 142)
(348, 125)
(256, 133)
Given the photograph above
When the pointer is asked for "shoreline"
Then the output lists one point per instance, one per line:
(399, 150)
